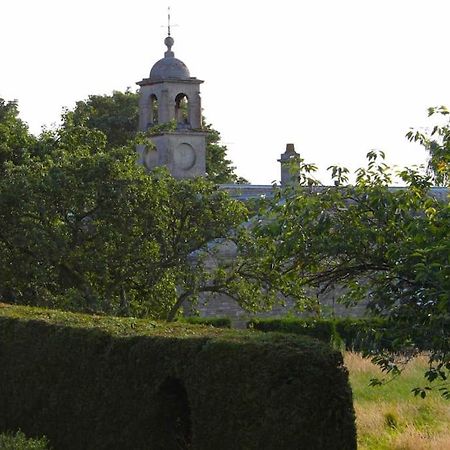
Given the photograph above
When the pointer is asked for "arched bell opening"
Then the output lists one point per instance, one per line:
(153, 109)
(173, 416)
(182, 111)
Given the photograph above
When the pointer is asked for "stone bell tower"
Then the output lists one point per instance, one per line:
(170, 96)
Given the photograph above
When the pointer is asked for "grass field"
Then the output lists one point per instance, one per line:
(389, 417)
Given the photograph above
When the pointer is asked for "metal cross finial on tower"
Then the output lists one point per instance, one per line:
(168, 21)
(169, 40)
(170, 25)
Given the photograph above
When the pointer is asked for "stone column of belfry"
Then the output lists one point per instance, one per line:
(195, 113)
(165, 108)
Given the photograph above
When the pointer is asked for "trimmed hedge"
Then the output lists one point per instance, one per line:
(355, 334)
(366, 333)
(321, 329)
(90, 382)
(217, 322)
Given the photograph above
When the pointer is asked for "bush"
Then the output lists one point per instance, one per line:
(355, 333)
(322, 329)
(365, 333)
(19, 441)
(118, 383)
(217, 322)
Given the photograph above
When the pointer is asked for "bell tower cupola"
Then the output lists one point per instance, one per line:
(170, 111)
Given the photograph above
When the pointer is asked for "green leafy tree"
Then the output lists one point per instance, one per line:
(232, 265)
(15, 139)
(389, 246)
(117, 117)
(437, 143)
(84, 227)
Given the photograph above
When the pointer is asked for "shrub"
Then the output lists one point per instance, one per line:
(365, 333)
(355, 333)
(322, 329)
(19, 441)
(118, 383)
(218, 322)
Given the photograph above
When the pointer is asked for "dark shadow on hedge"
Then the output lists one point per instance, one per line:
(174, 415)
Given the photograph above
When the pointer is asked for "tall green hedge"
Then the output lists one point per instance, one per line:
(90, 382)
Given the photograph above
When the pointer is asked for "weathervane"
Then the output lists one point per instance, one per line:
(169, 25)
(168, 20)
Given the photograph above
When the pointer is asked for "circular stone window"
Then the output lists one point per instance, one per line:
(184, 156)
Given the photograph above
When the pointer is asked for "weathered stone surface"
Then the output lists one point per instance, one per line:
(171, 94)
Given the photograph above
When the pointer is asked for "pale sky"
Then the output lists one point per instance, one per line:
(336, 78)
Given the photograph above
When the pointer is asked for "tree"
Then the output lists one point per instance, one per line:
(437, 143)
(117, 117)
(15, 139)
(375, 242)
(84, 227)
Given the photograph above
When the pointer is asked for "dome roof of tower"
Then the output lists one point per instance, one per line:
(169, 68)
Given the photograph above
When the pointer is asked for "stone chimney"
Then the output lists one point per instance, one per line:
(290, 166)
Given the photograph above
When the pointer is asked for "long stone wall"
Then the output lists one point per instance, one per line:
(222, 305)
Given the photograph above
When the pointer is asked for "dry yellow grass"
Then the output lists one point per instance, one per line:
(411, 439)
(390, 417)
(355, 363)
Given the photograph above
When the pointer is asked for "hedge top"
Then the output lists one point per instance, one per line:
(131, 327)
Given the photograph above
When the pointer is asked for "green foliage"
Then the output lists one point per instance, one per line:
(84, 227)
(356, 334)
(366, 333)
(437, 143)
(386, 245)
(18, 441)
(115, 115)
(115, 383)
(218, 322)
(162, 128)
(322, 329)
(15, 140)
